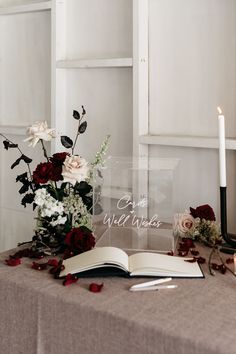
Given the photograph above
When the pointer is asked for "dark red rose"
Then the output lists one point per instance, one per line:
(43, 173)
(203, 212)
(95, 288)
(78, 240)
(58, 158)
(57, 162)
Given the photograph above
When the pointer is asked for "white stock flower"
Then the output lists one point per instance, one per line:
(48, 205)
(61, 220)
(39, 130)
(75, 169)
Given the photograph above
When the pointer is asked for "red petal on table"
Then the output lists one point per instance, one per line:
(13, 262)
(70, 279)
(194, 252)
(95, 288)
(215, 266)
(229, 260)
(222, 268)
(171, 253)
(201, 260)
(53, 262)
(39, 266)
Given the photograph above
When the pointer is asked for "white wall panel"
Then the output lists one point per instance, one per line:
(107, 97)
(25, 68)
(99, 28)
(17, 2)
(197, 179)
(192, 48)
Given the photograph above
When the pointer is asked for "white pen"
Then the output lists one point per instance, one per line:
(150, 283)
(157, 287)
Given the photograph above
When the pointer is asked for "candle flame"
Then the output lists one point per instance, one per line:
(219, 110)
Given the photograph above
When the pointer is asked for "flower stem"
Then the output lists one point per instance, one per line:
(44, 150)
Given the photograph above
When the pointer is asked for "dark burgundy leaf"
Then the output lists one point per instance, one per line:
(7, 145)
(76, 114)
(16, 162)
(66, 142)
(26, 159)
(24, 188)
(83, 111)
(83, 188)
(83, 127)
(22, 177)
(28, 199)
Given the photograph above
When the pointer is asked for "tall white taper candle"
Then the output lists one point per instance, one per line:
(222, 159)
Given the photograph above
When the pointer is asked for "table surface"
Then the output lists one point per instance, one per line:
(39, 315)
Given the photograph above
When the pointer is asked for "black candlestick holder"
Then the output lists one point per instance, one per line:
(230, 239)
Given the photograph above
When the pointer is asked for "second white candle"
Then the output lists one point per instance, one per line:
(222, 158)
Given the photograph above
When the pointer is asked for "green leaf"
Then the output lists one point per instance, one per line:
(83, 127)
(66, 142)
(76, 115)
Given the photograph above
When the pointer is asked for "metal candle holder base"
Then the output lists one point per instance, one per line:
(230, 239)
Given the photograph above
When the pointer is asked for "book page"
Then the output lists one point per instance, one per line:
(95, 259)
(162, 265)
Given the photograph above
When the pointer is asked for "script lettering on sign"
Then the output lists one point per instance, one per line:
(129, 208)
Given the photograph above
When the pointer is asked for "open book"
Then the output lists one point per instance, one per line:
(102, 261)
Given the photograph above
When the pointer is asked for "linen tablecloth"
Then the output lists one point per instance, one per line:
(40, 316)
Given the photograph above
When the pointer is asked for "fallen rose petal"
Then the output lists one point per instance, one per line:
(171, 253)
(229, 260)
(201, 260)
(95, 288)
(222, 268)
(70, 279)
(13, 262)
(53, 262)
(215, 266)
(39, 266)
(57, 269)
(194, 252)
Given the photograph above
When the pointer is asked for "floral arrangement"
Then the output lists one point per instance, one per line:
(199, 224)
(61, 191)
